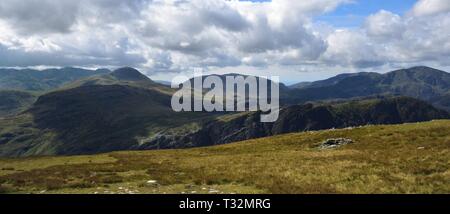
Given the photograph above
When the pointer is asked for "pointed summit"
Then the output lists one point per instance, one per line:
(128, 74)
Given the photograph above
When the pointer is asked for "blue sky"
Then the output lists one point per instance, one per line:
(354, 14)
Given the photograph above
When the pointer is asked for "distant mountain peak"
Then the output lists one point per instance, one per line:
(419, 69)
(128, 73)
(103, 70)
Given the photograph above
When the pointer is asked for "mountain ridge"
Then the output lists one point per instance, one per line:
(418, 82)
(125, 110)
(43, 80)
(307, 117)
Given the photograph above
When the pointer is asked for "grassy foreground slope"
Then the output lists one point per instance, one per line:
(409, 158)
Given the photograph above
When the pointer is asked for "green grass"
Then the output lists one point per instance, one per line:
(410, 158)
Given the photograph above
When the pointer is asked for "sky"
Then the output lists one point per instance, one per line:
(297, 40)
(354, 14)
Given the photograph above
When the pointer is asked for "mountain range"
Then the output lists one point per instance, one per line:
(20, 88)
(100, 111)
(421, 82)
(43, 80)
(300, 118)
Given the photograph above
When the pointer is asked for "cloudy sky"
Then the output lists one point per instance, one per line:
(298, 40)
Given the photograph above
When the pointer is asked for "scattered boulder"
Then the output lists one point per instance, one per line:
(335, 143)
(152, 183)
(213, 191)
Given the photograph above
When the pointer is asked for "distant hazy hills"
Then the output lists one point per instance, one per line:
(20, 88)
(36, 80)
(123, 76)
(100, 111)
(419, 82)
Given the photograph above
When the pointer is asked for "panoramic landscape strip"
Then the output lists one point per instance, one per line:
(224, 105)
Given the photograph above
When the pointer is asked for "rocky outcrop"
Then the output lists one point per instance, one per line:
(335, 143)
(306, 117)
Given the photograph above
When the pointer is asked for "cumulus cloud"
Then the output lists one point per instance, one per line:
(385, 24)
(351, 48)
(19, 58)
(388, 38)
(431, 7)
(36, 16)
(169, 34)
(176, 35)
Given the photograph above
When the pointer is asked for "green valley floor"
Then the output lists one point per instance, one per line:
(409, 158)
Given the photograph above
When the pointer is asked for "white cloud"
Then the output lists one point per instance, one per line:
(385, 24)
(351, 48)
(170, 34)
(176, 35)
(388, 38)
(431, 7)
(41, 16)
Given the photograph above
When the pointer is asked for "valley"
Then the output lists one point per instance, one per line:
(87, 112)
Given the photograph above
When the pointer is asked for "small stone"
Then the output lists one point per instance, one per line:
(213, 191)
(151, 183)
(421, 148)
(334, 143)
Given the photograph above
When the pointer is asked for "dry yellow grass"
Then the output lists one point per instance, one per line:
(410, 158)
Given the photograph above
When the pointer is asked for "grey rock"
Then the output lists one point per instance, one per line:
(335, 143)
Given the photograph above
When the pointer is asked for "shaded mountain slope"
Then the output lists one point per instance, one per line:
(307, 117)
(13, 102)
(93, 118)
(284, 91)
(19, 88)
(418, 82)
(442, 101)
(125, 110)
(331, 81)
